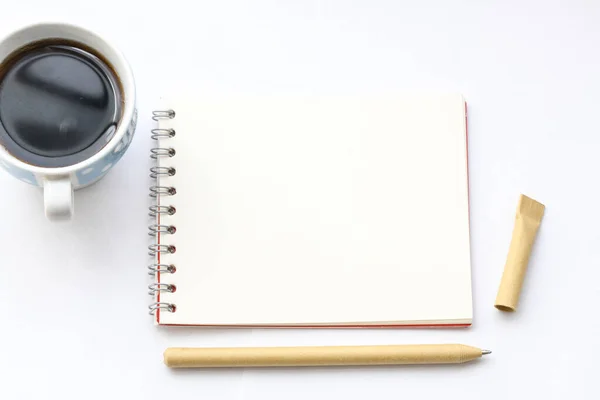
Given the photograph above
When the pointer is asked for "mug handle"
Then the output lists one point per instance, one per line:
(58, 199)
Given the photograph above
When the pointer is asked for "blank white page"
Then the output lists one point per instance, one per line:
(318, 211)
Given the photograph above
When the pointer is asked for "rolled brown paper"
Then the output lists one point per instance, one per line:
(320, 356)
(527, 221)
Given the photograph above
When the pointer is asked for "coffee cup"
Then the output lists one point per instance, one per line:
(67, 110)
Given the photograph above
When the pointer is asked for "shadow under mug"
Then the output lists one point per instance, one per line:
(59, 183)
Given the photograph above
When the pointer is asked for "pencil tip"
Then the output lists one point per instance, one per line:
(485, 352)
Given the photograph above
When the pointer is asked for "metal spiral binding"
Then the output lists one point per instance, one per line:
(157, 211)
(162, 133)
(162, 152)
(155, 249)
(164, 229)
(161, 306)
(154, 269)
(163, 114)
(167, 171)
(160, 287)
(156, 191)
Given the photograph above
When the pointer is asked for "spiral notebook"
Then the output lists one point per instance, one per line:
(308, 211)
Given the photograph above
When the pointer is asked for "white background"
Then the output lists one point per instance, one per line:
(73, 296)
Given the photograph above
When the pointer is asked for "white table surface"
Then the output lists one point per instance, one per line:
(73, 296)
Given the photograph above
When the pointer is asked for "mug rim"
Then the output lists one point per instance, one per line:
(129, 98)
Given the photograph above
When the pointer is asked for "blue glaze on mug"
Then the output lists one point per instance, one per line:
(19, 173)
(97, 170)
(86, 176)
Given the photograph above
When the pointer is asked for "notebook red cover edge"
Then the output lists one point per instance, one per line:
(325, 326)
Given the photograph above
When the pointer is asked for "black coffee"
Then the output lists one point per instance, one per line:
(59, 103)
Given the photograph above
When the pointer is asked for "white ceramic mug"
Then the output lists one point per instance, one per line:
(59, 183)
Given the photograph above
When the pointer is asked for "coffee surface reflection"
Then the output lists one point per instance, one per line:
(59, 105)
